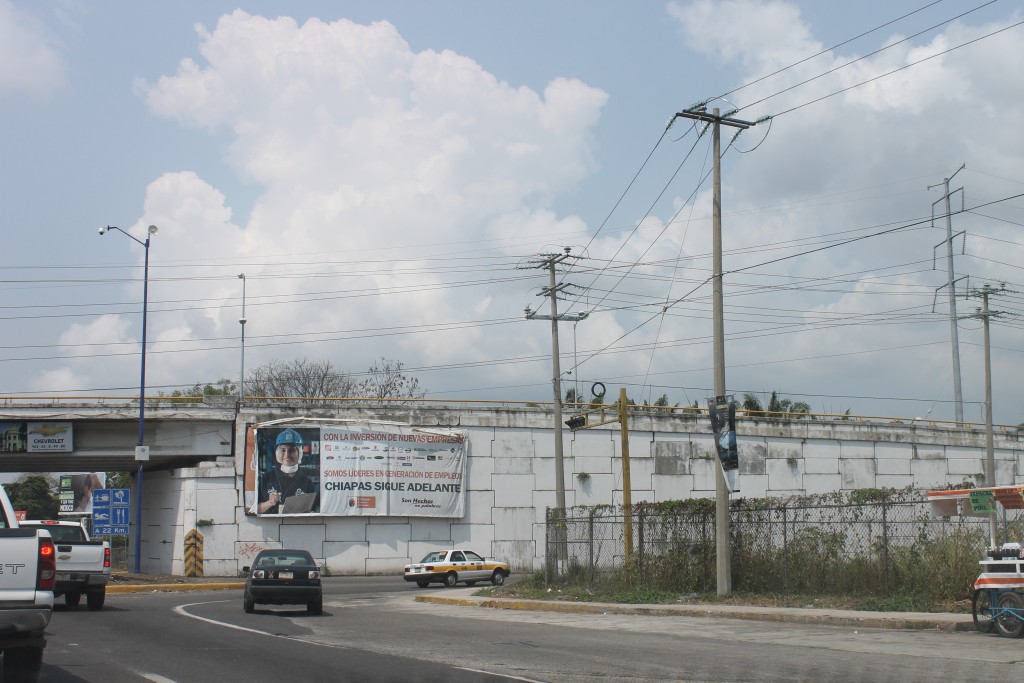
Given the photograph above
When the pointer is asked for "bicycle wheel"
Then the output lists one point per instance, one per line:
(1010, 619)
(981, 610)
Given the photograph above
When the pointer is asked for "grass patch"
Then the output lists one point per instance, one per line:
(533, 588)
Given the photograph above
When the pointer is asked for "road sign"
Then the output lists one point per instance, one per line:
(110, 512)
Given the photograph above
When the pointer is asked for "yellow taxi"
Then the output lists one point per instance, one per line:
(455, 566)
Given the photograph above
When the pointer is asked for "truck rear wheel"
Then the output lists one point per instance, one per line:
(95, 599)
(22, 664)
(71, 599)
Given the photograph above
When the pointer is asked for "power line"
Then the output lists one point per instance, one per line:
(818, 54)
(897, 70)
(863, 57)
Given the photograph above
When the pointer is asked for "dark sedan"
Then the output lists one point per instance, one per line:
(283, 577)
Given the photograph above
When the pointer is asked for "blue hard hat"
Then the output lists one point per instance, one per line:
(288, 437)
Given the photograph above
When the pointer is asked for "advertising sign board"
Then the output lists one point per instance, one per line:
(356, 470)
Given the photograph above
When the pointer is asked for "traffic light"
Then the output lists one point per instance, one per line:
(576, 422)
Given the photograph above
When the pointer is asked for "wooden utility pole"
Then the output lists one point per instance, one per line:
(627, 485)
(722, 549)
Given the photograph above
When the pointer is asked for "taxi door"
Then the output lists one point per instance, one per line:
(477, 567)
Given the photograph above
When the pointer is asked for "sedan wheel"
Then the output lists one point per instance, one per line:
(497, 578)
(422, 583)
(316, 607)
(450, 579)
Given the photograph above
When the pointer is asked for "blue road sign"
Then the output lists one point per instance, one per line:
(110, 512)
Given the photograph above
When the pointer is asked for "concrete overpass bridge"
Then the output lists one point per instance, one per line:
(194, 478)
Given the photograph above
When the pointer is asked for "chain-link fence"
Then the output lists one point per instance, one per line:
(877, 548)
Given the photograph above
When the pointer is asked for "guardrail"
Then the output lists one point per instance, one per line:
(255, 402)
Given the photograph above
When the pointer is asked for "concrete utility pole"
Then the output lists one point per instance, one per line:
(241, 372)
(549, 262)
(958, 396)
(723, 552)
(990, 459)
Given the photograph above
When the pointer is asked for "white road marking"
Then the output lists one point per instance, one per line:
(156, 678)
(181, 609)
(491, 673)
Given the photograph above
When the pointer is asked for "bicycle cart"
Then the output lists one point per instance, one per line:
(997, 601)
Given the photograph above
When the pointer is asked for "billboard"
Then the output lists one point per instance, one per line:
(75, 491)
(50, 437)
(355, 470)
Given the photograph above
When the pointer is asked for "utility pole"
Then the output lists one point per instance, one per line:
(958, 397)
(985, 313)
(723, 551)
(550, 261)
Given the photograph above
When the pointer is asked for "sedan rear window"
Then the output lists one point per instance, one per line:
(285, 559)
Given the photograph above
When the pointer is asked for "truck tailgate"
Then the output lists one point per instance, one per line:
(79, 556)
(18, 565)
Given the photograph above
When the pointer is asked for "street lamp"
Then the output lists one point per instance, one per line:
(241, 321)
(141, 450)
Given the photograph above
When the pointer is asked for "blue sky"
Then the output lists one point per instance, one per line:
(385, 172)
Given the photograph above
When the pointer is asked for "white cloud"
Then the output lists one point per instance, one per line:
(839, 166)
(30, 60)
(364, 149)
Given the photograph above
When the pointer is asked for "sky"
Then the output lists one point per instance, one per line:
(390, 178)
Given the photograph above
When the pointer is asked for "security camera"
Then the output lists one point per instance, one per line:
(103, 229)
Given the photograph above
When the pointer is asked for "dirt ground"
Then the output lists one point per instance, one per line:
(129, 578)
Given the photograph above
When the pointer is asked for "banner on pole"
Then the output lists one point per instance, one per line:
(722, 410)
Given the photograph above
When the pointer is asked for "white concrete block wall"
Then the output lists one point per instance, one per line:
(512, 490)
(931, 473)
(820, 483)
(346, 557)
(784, 474)
(510, 484)
(302, 534)
(857, 473)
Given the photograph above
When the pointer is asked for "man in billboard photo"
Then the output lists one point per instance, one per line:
(285, 489)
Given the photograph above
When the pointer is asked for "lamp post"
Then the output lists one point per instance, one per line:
(241, 321)
(141, 450)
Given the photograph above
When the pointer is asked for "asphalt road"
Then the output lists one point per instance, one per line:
(373, 630)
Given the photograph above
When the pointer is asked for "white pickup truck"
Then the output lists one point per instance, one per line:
(28, 569)
(83, 565)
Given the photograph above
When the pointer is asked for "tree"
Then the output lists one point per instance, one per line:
(386, 380)
(223, 387)
(751, 402)
(36, 494)
(119, 480)
(787, 406)
(300, 378)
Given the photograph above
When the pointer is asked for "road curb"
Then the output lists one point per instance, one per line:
(887, 620)
(179, 587)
